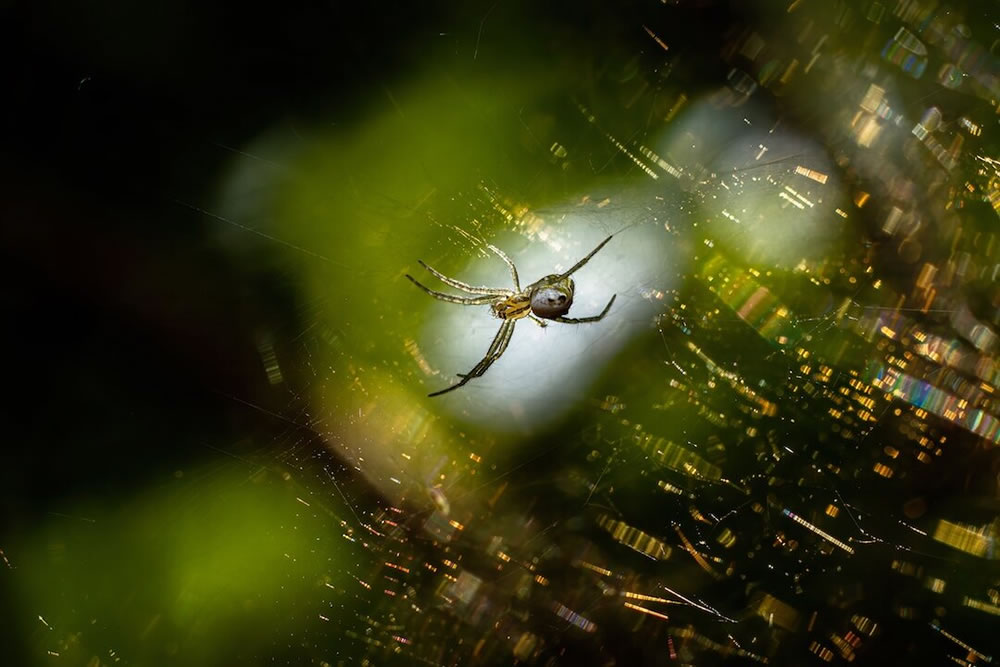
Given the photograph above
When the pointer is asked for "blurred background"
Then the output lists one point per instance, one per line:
(779, 447)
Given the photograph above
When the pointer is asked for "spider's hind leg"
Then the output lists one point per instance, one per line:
(583, 320)
(497, 348)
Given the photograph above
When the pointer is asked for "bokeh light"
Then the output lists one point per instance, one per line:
(779, 446)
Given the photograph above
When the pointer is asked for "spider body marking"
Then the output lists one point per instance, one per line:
(549, 298)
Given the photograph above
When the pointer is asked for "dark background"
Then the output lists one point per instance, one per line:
(124, 314)
(125, 320)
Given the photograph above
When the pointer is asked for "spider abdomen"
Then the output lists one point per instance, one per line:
(551, 297)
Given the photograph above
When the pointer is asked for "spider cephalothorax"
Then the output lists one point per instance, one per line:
(547, 299)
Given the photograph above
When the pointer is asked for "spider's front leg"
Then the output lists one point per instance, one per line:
(451, 298)
(537, 320)
(513, 270)
(465, 287)
(586, 259)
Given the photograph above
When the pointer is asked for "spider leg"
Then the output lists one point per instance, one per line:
(464, 300)
(540, 322)
(582, 320)
(497, 348)
(586, 259)
(472, 289)
(513, 270)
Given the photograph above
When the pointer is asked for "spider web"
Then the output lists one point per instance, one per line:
(780, 442)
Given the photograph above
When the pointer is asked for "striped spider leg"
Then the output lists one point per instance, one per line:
(549, 298)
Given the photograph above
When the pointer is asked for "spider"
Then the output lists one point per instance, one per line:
(546, 299)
